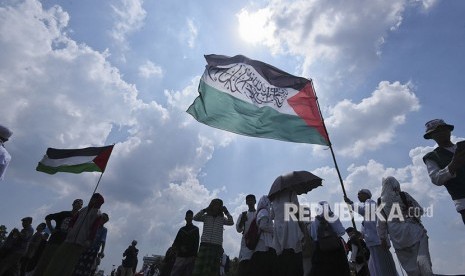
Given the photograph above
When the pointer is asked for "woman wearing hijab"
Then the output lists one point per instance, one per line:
(287, 235)
(407, 234)
(332, 262)
(264, 255)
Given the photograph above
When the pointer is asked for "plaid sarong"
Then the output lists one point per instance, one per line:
(208, 260)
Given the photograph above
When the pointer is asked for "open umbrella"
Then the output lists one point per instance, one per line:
(299, 181)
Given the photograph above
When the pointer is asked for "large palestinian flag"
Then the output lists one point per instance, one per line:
(92, 159)
(253, 98)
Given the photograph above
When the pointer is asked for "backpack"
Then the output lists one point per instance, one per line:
(328, 240)
(252, 236)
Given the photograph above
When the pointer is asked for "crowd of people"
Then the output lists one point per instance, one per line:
(75, 246)
(292, 247)
(283, 246)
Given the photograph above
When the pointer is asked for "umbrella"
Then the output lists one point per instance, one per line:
(299, 181)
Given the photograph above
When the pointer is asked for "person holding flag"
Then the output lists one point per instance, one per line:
(58, 234)
(83, 229)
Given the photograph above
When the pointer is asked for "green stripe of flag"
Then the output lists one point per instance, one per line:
(91, 159)
(221, 110)
(86, 167)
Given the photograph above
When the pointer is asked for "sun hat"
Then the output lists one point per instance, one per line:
(433, 125)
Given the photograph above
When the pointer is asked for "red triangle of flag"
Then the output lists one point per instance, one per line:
(305, 105)
(101, 159)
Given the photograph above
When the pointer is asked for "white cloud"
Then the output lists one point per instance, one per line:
(149, 69)
(56, 92)
(70, 97)
(255, 27)
(192, 33)
(427, 4)
(346, 35)
(130, 16)
(359, 127)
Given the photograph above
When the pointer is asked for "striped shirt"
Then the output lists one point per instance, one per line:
(213, 227)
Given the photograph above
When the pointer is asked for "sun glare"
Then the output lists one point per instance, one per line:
(252, 26)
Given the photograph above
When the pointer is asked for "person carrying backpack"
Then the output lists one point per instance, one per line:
(287, 235)
(243, 224)
(264, 255)
(329, 257)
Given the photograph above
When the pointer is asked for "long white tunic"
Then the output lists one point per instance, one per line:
(266, 227)
(245, 253)
(5, 159)
(286, 234)
(403, 234)
(369, 231)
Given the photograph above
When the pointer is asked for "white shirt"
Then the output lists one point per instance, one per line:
(440, 176)
(245, 253)
(266, 236)
(286, 234)
(5, 159)
(369, 231)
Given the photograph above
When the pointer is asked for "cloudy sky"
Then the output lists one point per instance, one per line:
(91, 73)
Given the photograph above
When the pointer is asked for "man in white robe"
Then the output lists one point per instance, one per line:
(380, 261)
(5, 157)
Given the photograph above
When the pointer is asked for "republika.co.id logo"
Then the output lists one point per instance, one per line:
(372, 212)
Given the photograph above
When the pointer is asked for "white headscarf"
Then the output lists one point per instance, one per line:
(264, 206)
(390, 193)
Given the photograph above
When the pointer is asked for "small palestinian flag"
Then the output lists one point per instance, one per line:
(252, 98)
(92, 159)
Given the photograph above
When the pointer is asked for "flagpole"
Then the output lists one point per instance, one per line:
(98, 182)
(333, 155)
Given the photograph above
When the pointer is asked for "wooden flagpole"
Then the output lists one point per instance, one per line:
(98, 182)
(334, 156)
